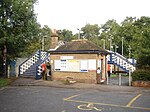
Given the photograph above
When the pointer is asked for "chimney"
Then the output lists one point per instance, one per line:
(54, 39)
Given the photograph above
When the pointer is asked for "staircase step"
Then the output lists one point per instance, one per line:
(26, 76)
(31, 72)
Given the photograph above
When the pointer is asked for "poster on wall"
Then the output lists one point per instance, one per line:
(63, 65)
(57, 65)
(73, 65)
(100, 65)
(92, 64)
(84, 66)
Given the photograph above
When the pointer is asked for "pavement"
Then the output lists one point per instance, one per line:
(60, 84)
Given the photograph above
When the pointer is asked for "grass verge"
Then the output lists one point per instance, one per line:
(113, 75)
(4, 82)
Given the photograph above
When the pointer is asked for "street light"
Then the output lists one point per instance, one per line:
(122, 45)
(110, 42)
(129, 51)
(5, 60)
(78, 33)
(43, 43)
(116, 47)
(103, 43)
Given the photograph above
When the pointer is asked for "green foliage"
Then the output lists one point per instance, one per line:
(18, 26)
(113, 75)
(110, 30)
(46, 34)
(22, 35)
(136, 34)
(65, 35)
(141, 75)
(90, 31)
(143, 61)
(4, 82)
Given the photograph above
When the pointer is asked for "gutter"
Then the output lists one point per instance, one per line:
(78, 52)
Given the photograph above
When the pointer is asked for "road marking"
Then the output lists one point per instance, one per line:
(136, 97)
(89, 106)
(84, 107)
(71, 97)
(68, 98)
(105, 104)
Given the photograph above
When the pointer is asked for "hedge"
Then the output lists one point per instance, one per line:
(141, 75)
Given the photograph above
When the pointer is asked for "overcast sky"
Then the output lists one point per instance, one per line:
(73, 14)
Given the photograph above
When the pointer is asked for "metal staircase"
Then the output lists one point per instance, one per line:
(122, 62)
(32, 66)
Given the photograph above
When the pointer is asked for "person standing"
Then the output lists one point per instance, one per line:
(98, 71)
(108, 70)
(48, 66)
(44, 75)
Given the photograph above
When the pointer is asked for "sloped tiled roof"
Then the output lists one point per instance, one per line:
(81, 44)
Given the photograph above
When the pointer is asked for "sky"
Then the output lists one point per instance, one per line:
(75, 14)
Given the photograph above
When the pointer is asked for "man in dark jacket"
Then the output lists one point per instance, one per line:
(48, 66)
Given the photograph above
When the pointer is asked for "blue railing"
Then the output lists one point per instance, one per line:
(39, 55)
(39, 67)
(29, 62)
(121, 61)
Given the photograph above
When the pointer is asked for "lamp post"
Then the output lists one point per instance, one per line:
(116, 47)
(5, 60)
(129, 51)
(43, 43)
(122, 45)
(110, 42)
(103, 43)
(78, 33)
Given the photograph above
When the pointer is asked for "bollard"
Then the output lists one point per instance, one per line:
(17, 71)
(129, 78)
(8, 72)
(119, 79)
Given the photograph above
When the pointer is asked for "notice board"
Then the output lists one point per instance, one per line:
(73, 65)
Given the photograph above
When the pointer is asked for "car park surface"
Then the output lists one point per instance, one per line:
(50, 99)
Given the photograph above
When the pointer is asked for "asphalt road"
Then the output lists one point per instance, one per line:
(49, 99)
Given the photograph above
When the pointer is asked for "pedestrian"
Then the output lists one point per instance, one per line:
(98, 71)
(48, 66)
(44, 71)
(108, 69)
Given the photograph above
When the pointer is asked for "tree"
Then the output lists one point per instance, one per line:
(18, 26)
(141, 42)
(65, 35)
(110, 30)
(90, 31)
(46, 35)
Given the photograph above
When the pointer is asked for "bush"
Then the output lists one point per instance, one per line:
(141, 75)
(143, 60)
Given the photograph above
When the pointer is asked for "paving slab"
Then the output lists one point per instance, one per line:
(60, 84)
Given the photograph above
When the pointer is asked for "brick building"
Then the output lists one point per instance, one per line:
(79, 59)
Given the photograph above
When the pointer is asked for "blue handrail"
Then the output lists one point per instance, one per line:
(37, 52)
(37, 66)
